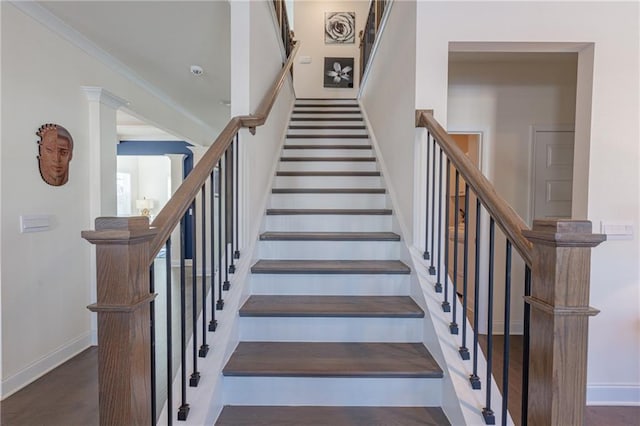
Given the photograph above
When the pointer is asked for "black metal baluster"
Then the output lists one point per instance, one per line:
(227, 206)
(213, 324)
(204, 348)
(474, 378)
(236, 253)
(231, 199)
(152, 318)
(183, 411)
(525, 347)
(438, 286)
(445, 305)
(463, 350)
(432, 269)
(507, 331)
(487, 412)
(220, 303)
(195, 376)
(453, 326)
(426, 255)
(169, 302)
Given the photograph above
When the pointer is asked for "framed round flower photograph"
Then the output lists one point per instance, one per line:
(339, 27)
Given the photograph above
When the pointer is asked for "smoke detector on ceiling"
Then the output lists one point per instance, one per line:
(196, 70)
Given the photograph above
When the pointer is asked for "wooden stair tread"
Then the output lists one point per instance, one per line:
(331, 359)
(331, 306)
(331, 416)
(354, 159)
(327, 136)
(330, 236)
(298, 146)
(327, 173)
(328, 191)
(375, 212)
(282, 266)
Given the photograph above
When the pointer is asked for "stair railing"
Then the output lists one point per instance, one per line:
(370, 32)
(130, 254)
(556, 253)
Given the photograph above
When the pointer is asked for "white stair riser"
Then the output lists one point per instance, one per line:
(307, 166)
(328, 201)
(332, 391)
(327, 141)
(312, 153)
(344, 107)
(350, 122)
(278, 329)
(328, 182)
(328, 223)
(330, 284)
(329, 250)
(356, 116)
(327, 102)
(327, 132)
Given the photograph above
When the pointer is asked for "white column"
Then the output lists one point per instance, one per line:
(177, 173)
(103, 141)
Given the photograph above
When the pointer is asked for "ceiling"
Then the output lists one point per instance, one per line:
(158, 41)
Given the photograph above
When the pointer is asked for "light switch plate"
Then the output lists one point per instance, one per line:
(305, 59)
(617, 230)
(34, 223)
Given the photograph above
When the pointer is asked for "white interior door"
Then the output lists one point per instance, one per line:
(552, 172)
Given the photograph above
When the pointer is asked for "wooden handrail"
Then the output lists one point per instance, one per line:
(506, 218)
(176, 207)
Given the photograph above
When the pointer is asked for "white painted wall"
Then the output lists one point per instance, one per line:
(309, 21)
(389, 102)
(253, 30)
(502, 97)
(609, 131)
(45, 276)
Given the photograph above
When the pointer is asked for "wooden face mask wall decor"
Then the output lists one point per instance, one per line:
(55, 150)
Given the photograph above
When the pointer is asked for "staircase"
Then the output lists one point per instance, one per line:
(329, 334)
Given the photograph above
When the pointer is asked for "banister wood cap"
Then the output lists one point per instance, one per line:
(563, 233)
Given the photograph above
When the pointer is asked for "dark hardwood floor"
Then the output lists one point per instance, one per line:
(68, 395)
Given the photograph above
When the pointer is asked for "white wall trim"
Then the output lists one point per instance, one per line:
(616, 394)
(58, 26)
(98, 94)
(45, 364)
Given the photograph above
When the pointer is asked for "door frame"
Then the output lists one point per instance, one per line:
(532, 159)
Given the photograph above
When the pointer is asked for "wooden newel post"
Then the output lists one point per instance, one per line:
(559, 320)
(124, 348)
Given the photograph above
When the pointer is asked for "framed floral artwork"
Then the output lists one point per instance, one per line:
(339, 27)
(338, 72)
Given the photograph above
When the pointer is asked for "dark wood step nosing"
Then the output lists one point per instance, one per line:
(338, 359)
(328, 191)
(327, 112)
(330, 267)
(347, 212)
(349, 159)
(264, 306)
(292, 146)
(327, 136)
(329, 236)
(329, 173)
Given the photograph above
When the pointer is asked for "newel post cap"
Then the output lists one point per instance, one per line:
(563, 233)
(120, 230)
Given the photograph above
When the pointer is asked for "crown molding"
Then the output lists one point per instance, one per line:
(98, 94)
(73, 36)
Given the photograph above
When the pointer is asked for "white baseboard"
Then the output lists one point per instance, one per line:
(45, 364)
(613, 394)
